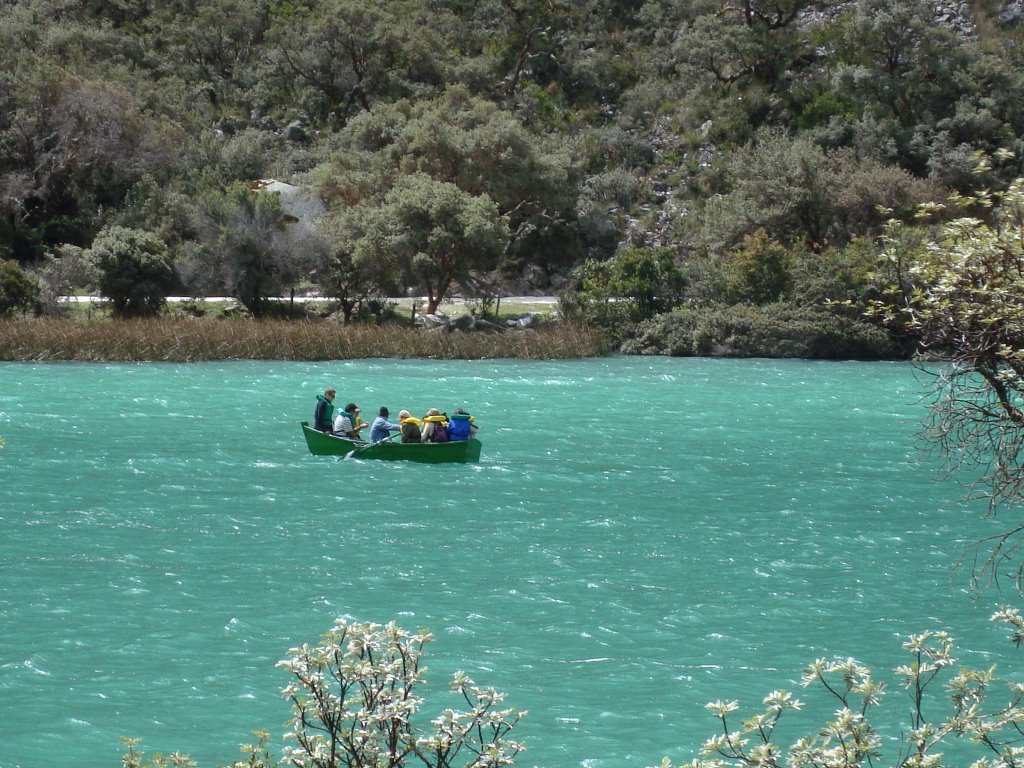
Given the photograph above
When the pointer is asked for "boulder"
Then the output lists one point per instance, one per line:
(295, 131)
(464, 323)
(486, 326)
(525, 320)
(1011, 14)
(434, 321)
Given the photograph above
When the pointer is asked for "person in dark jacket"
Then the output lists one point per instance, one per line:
(323, 416)
(410, 427)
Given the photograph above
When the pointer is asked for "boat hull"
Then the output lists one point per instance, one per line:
(458, 452)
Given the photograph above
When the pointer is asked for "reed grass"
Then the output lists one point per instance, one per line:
(181, 339)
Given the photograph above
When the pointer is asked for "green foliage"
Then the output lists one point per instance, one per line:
(68, 272)
(964, 299)
(247, 249)
(469, 142)
(847, 274)
(213, 47)
(432, 231)
(356, 697)
(342, 57)
(18, 292)
(72, 147)
(851, 738)
(775, 331)
(818, 110)
(752, 44)
(758, 272)
(894, 58)
(340, 277)
(592, 126)
(633, 285)
(135, 271)
(798, 192)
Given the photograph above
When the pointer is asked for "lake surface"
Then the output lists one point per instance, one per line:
(642, 536)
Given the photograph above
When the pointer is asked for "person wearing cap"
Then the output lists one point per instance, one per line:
(381, 427)
(323, 416)
(410, 427)
(348, 423)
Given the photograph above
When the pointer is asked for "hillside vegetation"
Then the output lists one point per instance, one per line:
(678, 172)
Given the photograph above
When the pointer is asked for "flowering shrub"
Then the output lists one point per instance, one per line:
(850, 739)
(354, 702)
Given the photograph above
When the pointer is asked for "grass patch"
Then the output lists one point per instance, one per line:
(189, 339)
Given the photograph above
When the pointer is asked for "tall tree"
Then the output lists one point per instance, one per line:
(430, 230)
(247, 247)
(474, 145)
(73, 147)
(135, 270)
(968, 307)
(215, 47)
(336, 58)
(751, 40)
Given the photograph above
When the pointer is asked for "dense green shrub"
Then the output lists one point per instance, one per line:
(135, 270)
(758, 271)
(776, 330)
(634, 285)
(17, 290)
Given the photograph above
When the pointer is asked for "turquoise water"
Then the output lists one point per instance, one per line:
(641, 537)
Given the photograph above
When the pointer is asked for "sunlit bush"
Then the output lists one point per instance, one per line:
(775, 330)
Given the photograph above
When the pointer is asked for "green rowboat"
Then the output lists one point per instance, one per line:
(460, 451)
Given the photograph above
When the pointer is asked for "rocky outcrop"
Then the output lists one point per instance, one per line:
(1011, 14)
(439, 322)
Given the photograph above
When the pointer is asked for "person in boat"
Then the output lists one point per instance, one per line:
(323, 416)
(381, 427)
(461, 426)
(348, 424)
(410, 427)
(435, 427)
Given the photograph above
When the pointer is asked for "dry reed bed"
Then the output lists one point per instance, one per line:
(197, 339)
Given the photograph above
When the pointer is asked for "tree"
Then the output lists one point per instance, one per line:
(338, 274)
(799, 193)
(63, 273)
(633, 285)
(355, 700)
(72, 148)
(968, 307)
(248, 247)
(212, 45)
(648, 279)
(135, 270)
(340, 57)
(17, 290)
(432, 231)
(744, 44)
(894, 58)
(472, 144)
